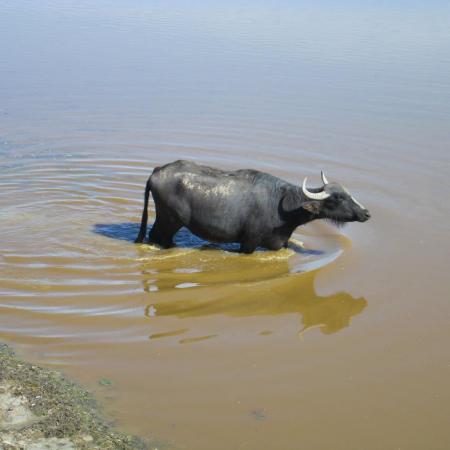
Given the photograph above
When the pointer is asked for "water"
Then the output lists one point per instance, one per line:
(342, 343)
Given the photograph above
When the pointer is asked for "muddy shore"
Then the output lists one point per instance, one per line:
(40, 409)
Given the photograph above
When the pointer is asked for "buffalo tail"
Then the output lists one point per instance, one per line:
(142, 231)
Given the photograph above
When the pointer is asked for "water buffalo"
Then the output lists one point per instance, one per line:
(246, 206)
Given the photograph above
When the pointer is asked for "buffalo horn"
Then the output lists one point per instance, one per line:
(324, 178)
(312, 195)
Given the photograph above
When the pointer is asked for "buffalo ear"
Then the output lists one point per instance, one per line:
(290, 202)
(311, 206)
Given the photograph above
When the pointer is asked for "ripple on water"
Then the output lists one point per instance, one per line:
(68, 256)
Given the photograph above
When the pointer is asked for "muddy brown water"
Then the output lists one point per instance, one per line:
(341, 344)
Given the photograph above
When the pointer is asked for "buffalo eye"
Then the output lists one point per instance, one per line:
(341, 198)
(335, 199)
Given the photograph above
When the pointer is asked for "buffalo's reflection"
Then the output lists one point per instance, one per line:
(242, 286)
(185, 282)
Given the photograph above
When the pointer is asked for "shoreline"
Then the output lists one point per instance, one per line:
(41, 409)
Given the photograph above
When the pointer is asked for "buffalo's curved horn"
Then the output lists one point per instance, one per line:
(313, 195)
(324, 178)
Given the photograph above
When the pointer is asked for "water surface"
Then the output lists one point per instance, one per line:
(341, 343)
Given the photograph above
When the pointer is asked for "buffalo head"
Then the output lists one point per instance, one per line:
(333, 202)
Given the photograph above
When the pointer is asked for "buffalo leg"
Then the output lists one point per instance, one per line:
(275, 243)
(162, 232)
(164, 228)
(247, 247)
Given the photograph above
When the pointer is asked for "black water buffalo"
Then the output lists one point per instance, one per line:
(250, 207)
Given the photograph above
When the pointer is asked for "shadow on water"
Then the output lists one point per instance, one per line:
(127, 231)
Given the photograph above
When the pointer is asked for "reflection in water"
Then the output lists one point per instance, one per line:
(262, 283)
(250, 285)
(185, 282)
(197, 339)
(291, 294)
(168, 333)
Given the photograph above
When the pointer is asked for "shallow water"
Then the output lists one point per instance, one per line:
(340, 343)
